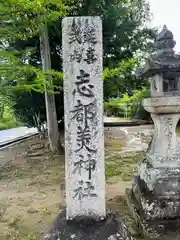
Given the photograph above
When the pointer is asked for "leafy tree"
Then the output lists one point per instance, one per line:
(23, 19)
(124, 36)
(124, 30)
(22, 22)
(120, 79)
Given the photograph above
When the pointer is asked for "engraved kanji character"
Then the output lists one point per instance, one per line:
(85, 189)
(90, 34)
(89, 165)
(90, 56)
(83, 86)
(83, 139)
(75, 34)
(83, 113)
(76, 55)
(89, 190)
(79, 165)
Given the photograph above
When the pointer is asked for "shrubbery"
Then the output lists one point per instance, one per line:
(7, 118)
(128, 106)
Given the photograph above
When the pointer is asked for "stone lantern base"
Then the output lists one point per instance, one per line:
(156, 208)
(154, 228)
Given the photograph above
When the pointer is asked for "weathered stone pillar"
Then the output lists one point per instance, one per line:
(164, 144)
(154, 198)
(84, 128)
(85, 217)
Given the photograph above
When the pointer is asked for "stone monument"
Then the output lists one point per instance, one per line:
(155, 195)
(85, 217)
(84, 132)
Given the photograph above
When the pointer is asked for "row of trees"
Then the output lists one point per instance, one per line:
(31, 53)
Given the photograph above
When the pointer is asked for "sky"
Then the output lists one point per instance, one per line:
(167, 12)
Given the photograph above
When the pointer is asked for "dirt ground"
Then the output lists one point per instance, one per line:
(32, 184)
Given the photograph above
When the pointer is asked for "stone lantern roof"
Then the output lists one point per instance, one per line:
(164, 60)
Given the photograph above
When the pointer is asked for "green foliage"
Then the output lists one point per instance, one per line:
(128, 106)
(3, 126)
(21, 20)
(7, 117)
(20, 60)
(120, 79)
(123, 33)
(26, 18)
(114, 107)
(135, 104)
(25, 76)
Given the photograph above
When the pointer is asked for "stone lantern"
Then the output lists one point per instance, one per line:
(155, 194)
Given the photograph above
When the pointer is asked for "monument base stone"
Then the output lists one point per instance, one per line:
(111, 228)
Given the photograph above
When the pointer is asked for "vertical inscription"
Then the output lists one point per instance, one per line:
(83, 98)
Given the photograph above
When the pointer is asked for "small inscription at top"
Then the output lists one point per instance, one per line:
(79, 35)
(75, 35)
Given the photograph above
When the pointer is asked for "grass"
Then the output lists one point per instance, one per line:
(122, 166)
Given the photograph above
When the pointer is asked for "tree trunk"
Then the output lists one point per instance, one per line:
(52, 123)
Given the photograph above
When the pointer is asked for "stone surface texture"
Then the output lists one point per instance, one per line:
(84, 130)
(155, 195)
(87, 229)
(162, 104)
